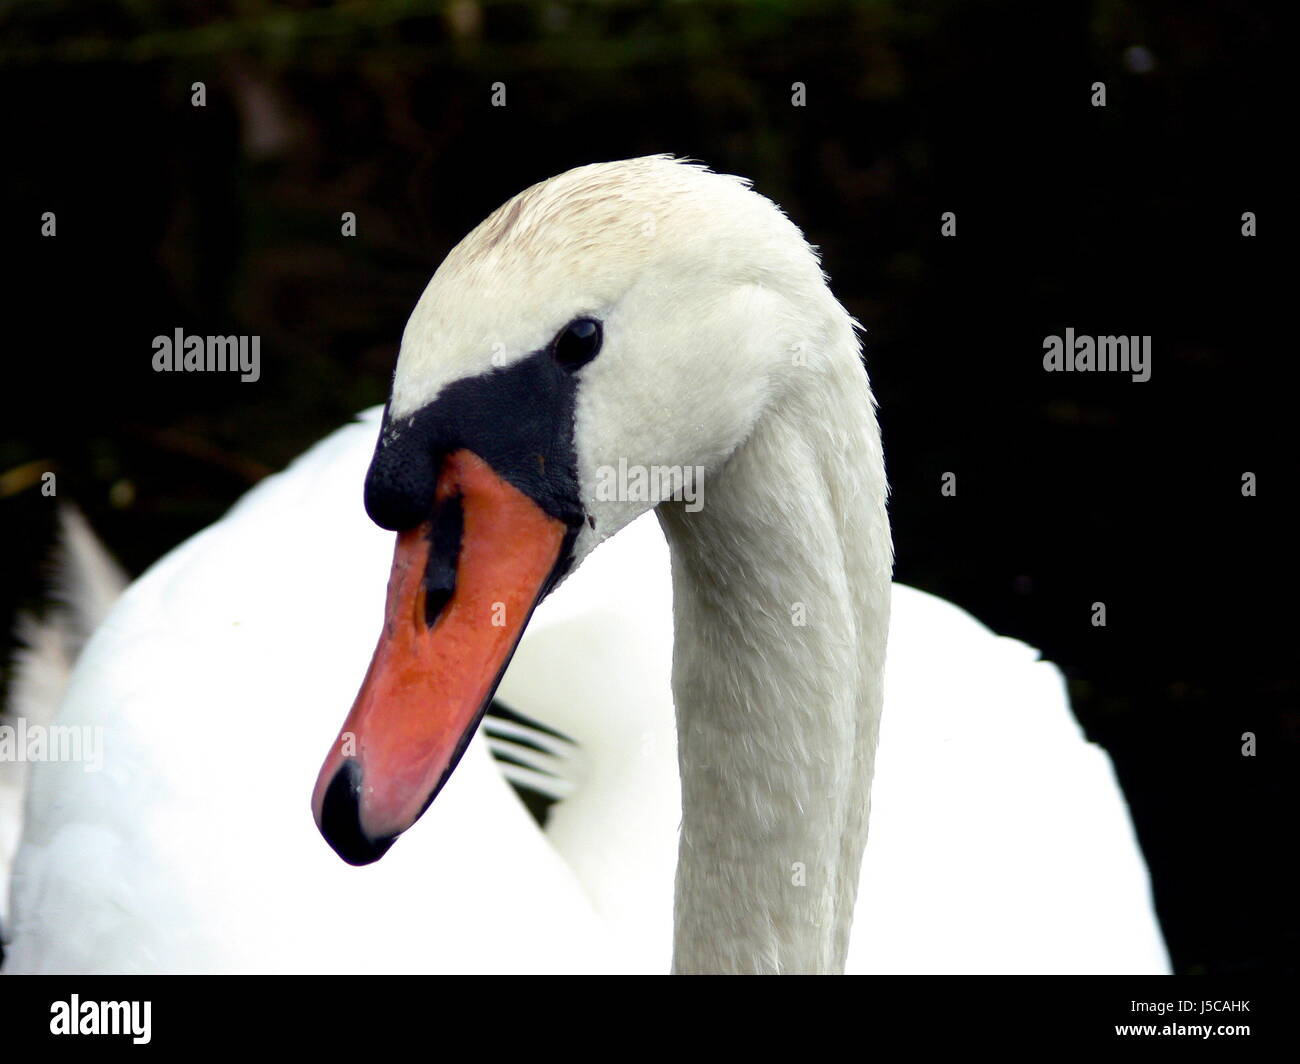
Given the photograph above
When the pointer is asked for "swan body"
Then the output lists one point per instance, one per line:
(220, 672)
(1000, 841)
(193, 848)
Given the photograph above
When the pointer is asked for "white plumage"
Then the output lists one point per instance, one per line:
(999, 840)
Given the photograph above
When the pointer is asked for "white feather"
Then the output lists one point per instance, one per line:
(999, 840)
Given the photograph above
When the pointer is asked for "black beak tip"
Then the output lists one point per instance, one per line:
(340, 819)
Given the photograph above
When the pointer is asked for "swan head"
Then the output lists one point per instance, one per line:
(599, 345)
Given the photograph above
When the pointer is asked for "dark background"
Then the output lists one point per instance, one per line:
(1071, 488)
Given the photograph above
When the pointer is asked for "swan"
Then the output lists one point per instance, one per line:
(648, 312)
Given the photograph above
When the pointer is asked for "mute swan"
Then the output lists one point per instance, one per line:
(657, 313)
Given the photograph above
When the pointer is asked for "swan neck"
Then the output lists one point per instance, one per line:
(781, 598)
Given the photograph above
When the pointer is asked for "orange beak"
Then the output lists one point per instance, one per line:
(462, 588)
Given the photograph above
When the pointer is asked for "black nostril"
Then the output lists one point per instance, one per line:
(340, 819)
(445, 531)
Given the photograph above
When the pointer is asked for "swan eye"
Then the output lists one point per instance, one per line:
(577, 343)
